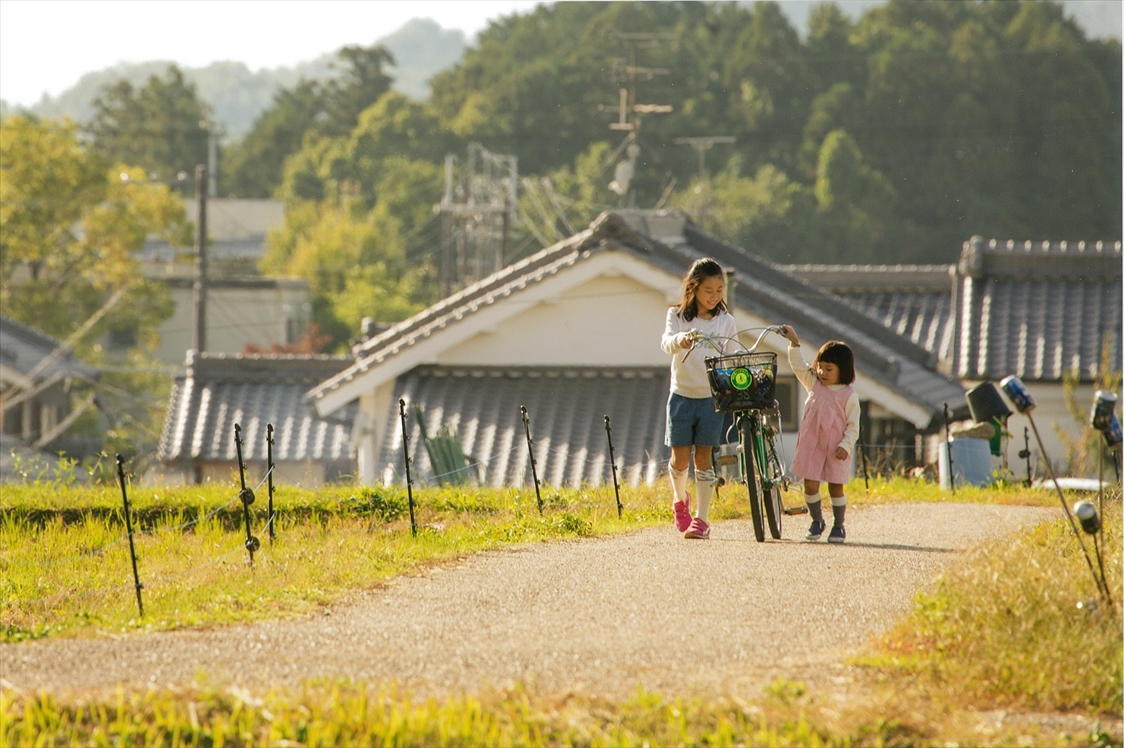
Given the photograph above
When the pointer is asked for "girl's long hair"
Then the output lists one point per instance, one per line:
(700, 270)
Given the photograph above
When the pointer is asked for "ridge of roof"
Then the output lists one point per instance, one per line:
(980, 258)
(257, 366)
(874, 278)
(546, 262)
(41, 347)
(29, 334)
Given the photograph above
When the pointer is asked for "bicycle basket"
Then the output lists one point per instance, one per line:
(742, 381)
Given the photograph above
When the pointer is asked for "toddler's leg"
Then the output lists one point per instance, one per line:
(704, 485)
(839, 511)
(815, 508)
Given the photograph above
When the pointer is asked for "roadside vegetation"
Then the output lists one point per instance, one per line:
(1000, 633)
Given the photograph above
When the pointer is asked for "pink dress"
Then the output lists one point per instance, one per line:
(821, 430)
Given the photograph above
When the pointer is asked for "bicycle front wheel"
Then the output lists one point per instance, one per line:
(747, 432)
(772, 476)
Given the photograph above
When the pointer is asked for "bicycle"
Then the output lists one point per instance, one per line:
(744, 385)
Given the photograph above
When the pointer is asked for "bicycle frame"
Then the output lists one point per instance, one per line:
(760, 465)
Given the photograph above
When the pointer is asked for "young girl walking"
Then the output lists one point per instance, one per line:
(825, 444)
(692, 423)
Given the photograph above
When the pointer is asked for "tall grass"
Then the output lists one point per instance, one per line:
(1020, 624)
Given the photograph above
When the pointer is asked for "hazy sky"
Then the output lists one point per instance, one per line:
(47, 45)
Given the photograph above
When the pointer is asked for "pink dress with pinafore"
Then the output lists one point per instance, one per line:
(821, 431)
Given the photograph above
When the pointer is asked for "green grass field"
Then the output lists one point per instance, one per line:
(999, 630)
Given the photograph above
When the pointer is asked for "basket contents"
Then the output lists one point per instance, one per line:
(742, 380)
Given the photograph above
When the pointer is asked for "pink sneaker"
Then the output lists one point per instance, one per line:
(699, 529)
(682, 511)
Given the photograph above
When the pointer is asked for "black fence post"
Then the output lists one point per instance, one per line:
(862, 455)
(406, 457)
(1024, 453)
(129, 529)
(531, 452)
(269, 477)
(245, 494)
(948, 449)
(613, 463)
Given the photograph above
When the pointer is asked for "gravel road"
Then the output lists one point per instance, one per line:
(598, 616)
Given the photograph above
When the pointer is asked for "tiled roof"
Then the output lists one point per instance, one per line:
(566, 409)
(216, 391)
(773, 294)
(1039, 310)
(915, 301)
(29, 351)
(670, 240)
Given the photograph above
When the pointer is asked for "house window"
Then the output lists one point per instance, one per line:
(786, 392)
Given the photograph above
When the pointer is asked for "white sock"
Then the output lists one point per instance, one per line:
(704, 484)
(678, 483)
(839, 501)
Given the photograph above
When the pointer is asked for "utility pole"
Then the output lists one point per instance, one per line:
(200, 286)
(702, 144)
(629, 110)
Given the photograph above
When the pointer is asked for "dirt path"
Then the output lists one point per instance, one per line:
(599, 616)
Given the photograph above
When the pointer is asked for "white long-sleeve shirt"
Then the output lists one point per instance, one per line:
(805, 376)
(688, 373)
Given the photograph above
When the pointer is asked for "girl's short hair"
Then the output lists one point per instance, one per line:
(839, 353)
(700, 270)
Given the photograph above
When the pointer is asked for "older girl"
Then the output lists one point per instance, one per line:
(692, 424)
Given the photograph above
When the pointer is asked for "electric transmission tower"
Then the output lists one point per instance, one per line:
(477, 211)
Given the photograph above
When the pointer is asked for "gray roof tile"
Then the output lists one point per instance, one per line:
(566, 409)
(30, 351)
(216, 391)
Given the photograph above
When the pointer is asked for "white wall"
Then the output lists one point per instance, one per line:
(236, 316)
(613, 320)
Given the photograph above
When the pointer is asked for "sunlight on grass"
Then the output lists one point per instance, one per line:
(1018, 624)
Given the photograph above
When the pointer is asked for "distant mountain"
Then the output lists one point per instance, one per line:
(237, 95)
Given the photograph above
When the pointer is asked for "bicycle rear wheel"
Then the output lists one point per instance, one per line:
(746, 432)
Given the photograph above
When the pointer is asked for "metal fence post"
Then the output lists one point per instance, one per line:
(245, 494)
(129, 529)
(613, 463)
(406, 457)
(531, 452)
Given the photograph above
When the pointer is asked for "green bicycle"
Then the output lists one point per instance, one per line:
(743, 384)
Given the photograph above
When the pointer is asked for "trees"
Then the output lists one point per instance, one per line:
(73, 224)
(162, 127)
(72, 227)
(308, 110)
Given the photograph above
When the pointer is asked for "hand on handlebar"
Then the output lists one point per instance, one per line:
(790, 333)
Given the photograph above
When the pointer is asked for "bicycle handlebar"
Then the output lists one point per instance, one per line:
(699, 338)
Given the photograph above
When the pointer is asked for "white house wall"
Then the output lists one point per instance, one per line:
(603, 321)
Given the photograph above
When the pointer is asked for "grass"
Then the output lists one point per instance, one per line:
(1000, 630)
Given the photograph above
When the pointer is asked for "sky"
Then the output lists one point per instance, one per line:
(47, 45)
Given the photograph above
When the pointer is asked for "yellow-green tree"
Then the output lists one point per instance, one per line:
(72, 227)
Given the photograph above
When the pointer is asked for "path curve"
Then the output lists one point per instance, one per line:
(599, 616)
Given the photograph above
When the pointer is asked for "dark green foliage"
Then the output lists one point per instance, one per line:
(162, 126)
